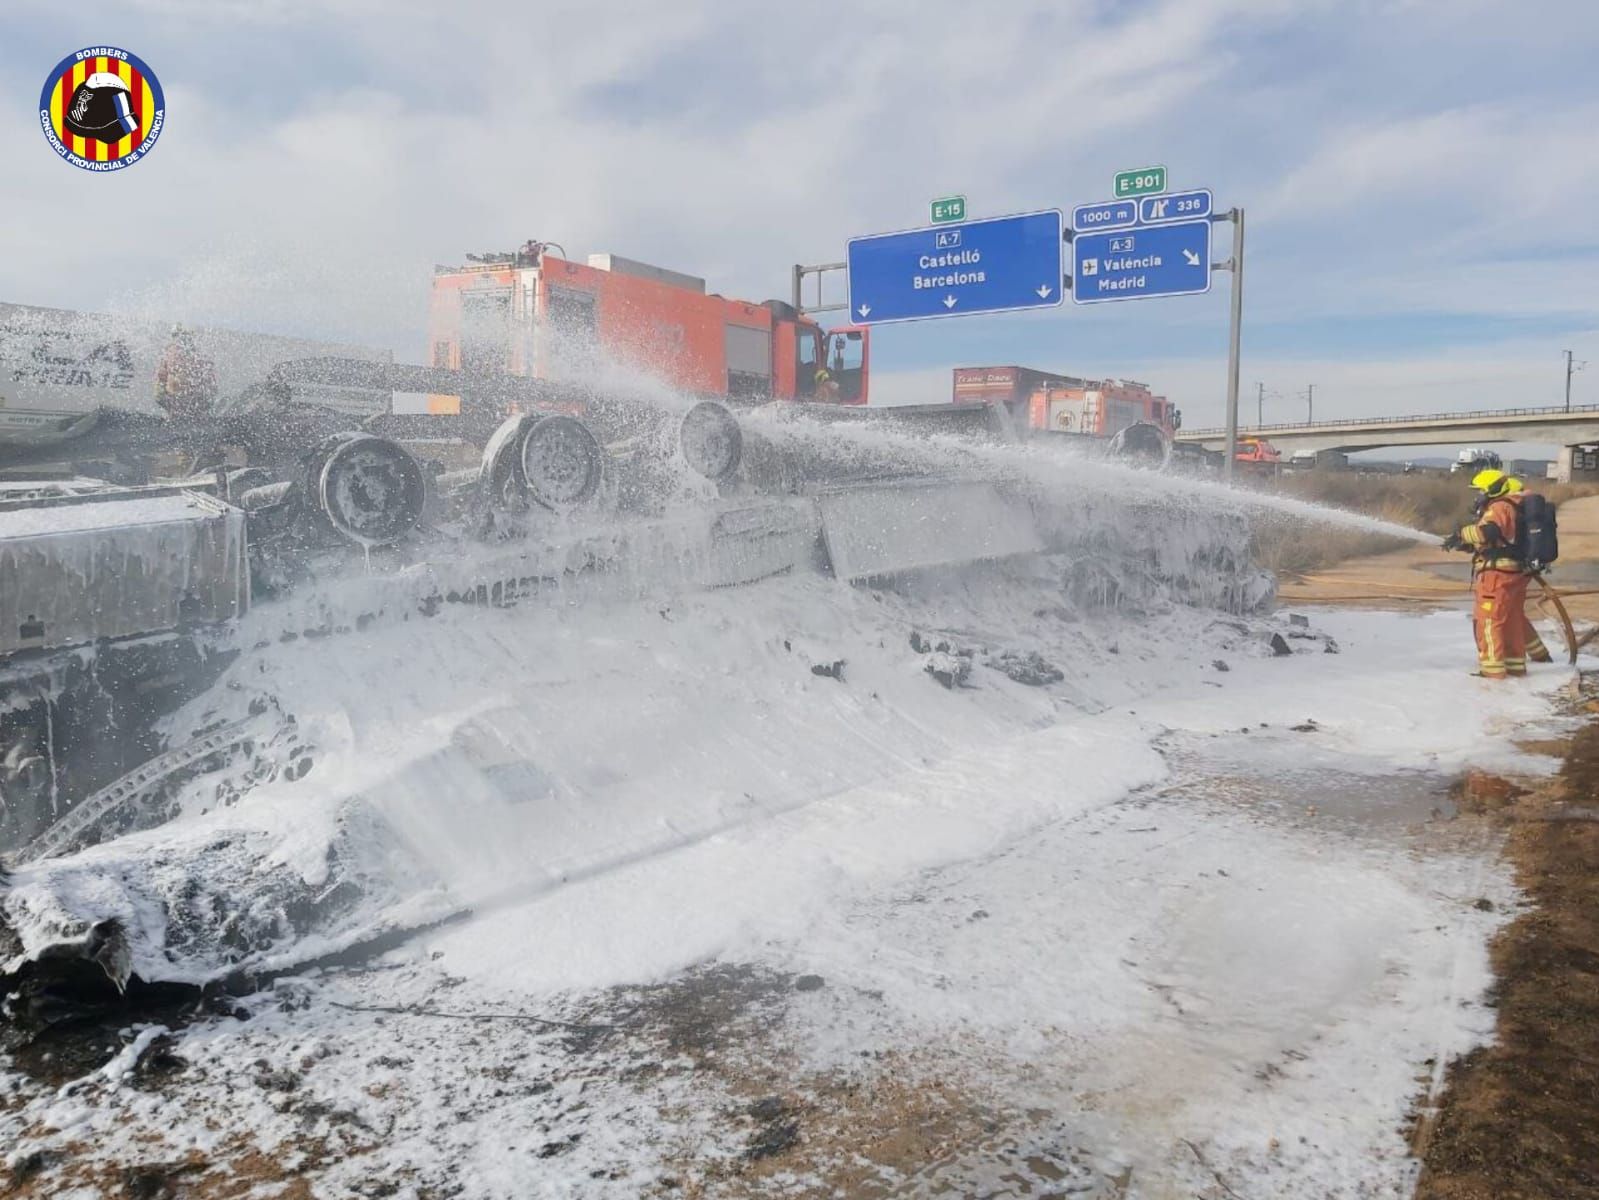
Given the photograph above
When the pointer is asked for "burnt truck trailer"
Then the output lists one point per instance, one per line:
(344, 511)
(125, 604)
(55, 362)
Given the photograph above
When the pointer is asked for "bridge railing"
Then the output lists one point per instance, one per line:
(1367, 422)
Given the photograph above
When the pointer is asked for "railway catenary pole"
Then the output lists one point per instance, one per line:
(1235, 333)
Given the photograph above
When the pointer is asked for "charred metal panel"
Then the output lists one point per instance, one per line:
(84, 568)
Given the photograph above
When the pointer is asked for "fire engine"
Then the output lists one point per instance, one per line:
(536, 313)
(1045, 402)
(1101, 409)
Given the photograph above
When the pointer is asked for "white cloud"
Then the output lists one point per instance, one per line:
(732, 140)
(1500, 162)
(327, 203)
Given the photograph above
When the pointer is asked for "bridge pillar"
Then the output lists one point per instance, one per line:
(1577, 464)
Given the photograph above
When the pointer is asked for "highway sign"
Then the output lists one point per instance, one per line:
(995, 265)
(1143, 182)
(1179, 206)
(1134, 264)
(950, 208)
(1118, 214)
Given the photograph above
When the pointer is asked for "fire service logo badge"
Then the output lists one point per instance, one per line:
(102, 109)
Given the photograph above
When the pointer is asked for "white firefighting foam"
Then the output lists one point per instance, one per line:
(631, 772)
(382, 713)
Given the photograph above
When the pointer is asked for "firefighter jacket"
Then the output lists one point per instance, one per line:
(1495, 535)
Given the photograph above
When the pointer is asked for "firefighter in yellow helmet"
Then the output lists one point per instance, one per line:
(1536, 651)
(1499, 576)
(185, 380)
(826, 387)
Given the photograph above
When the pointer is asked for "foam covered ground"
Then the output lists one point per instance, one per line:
(441, 764)
(814, 922)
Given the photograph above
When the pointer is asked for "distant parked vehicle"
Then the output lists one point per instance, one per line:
(1257, 450)
(1473, 460)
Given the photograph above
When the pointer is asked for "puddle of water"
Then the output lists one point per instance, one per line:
(1360, 803)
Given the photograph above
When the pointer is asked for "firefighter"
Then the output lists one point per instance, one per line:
(826, 389)
(1499, 576)
(185, 380)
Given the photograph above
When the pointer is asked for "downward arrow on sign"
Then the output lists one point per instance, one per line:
(863, 310)
(1043, 291)
(949, 301)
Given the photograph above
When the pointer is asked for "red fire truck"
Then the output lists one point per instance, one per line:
(1046, 402)
(534, 312)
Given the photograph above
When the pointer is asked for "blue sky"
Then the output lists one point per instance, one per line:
(1420, 175)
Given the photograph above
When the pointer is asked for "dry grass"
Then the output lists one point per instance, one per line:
(1518, 1117)
(1430, 502)
(1295, 550)
(1434, 503)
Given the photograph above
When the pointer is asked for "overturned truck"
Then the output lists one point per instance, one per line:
(121, 602)
(130, 615)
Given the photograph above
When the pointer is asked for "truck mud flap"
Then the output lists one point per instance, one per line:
(886, 529)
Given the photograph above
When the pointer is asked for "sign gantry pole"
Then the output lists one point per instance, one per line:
(1234, 335)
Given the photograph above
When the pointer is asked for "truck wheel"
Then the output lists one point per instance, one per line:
(712, 441)
(561, 462)
(370, 489)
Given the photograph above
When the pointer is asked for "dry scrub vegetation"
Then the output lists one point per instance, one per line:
(1518, 1117)
(1431, 502)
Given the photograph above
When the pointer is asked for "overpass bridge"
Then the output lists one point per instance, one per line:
(1568, 428)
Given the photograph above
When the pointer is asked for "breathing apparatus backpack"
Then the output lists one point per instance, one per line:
(1537, 536)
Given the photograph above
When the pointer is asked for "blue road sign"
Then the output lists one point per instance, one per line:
(1149, 260)
(1114, 214)
(996, 265)
(1177, 206)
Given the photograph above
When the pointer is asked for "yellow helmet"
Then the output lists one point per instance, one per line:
(1514, 485)
(1492, 482)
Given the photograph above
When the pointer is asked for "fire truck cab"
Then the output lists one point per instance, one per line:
(536, 313)
(1102, 408)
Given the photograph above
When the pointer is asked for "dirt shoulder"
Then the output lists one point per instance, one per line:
(1520, 1119)
(1415, 577)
